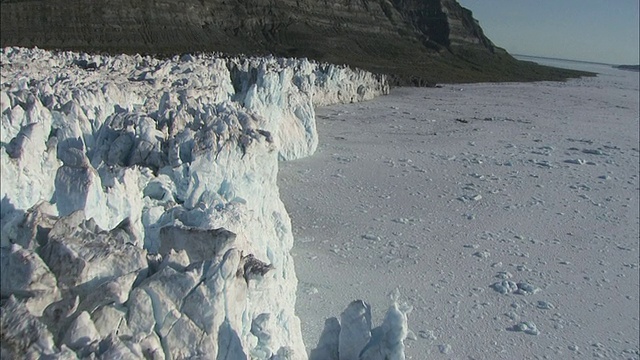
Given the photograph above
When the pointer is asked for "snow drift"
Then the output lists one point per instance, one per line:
(140, 213)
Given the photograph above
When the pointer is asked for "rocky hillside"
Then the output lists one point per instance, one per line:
(416, 41)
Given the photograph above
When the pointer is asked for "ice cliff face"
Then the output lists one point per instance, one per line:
(140, 213)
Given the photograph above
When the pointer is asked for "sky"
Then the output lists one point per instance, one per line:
(605, 31)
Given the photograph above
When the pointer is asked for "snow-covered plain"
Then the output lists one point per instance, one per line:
(506, 214)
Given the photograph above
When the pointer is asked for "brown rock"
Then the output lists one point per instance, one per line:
(418, 42)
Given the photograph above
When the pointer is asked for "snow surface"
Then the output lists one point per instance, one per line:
(450, 193)
(140, 213)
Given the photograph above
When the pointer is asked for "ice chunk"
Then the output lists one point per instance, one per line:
(527, 327)
(505, 287)
(26, 276)
(81, 333)
(327, 348)
(387, 340)
(22, 333)
(79, 252)
(355, 330)
(199, 244)
(353, 338)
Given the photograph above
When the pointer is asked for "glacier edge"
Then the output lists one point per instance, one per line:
(140, 206)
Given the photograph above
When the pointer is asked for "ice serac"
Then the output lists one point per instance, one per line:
(139, 207)
(355, 331)
(353, 338)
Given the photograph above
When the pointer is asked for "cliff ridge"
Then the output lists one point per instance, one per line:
(415, 41)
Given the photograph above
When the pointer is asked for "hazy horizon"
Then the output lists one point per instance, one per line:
(578, 30)
(564, 59)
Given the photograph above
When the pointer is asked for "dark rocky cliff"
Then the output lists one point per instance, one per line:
(416, 41)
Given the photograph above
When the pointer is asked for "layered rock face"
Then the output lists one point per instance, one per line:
(221, 25)
(140, 213)
(398, 37)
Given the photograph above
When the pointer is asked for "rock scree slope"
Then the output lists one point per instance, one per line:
(416, 42)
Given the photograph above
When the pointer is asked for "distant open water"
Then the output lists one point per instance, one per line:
(570, 64)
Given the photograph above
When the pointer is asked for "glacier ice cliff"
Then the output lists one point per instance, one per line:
(139, 208)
